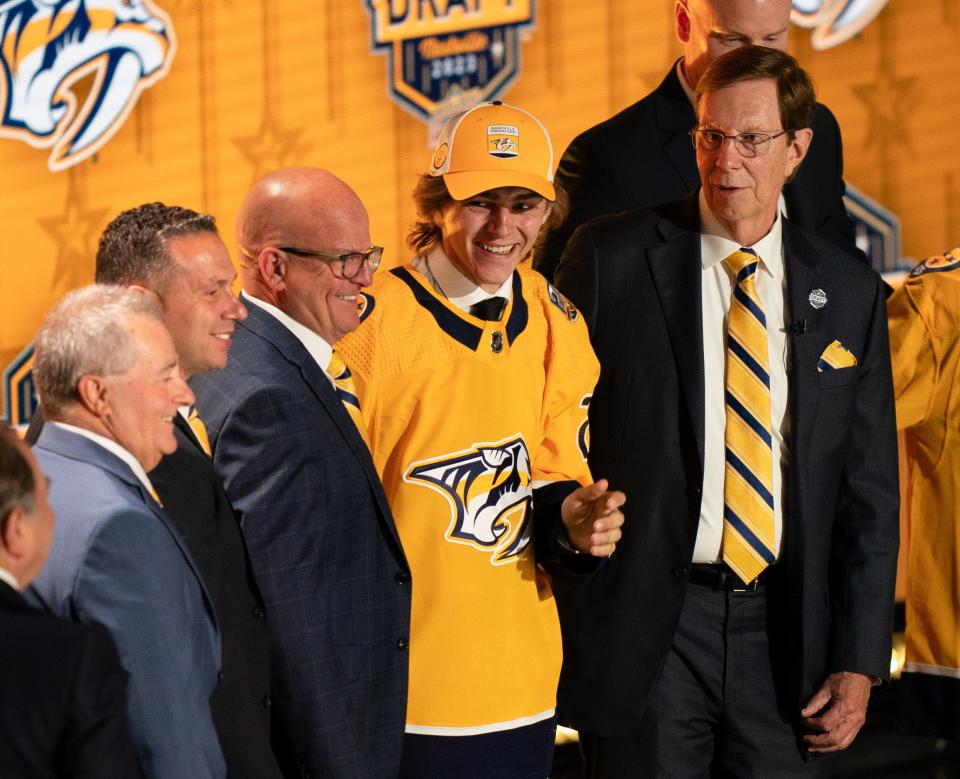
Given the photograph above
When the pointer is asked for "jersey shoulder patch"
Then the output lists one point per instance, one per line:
(561, 302)
(938, 263)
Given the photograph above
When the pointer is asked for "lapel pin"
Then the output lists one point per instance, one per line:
(817, 298)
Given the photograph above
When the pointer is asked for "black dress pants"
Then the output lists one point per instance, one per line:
(714, 712)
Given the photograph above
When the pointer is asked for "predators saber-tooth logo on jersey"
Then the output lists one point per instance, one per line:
(489, 492)
(48, 46)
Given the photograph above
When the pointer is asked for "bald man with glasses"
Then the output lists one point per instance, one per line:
(282, 420)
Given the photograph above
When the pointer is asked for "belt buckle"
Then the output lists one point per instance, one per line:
(750, 586)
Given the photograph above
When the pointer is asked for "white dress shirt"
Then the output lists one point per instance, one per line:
(447, 279)
(716, 286)
(114, 448)
(318, 348)
(9, 578)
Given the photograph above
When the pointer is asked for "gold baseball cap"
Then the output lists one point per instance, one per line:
(494, 145)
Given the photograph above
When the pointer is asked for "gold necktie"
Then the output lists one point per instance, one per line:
(343, 381)
(153, 494)
(199, 430)
(748, 526)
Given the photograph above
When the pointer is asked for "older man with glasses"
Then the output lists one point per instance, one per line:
(322, 542)
(745, 404)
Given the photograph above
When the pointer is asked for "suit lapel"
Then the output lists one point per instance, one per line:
(805, 273)
(76, 447)
(11, 600)
(263, 325)
(185, 428)
(266, 326)
(675, 267)
(675, 117)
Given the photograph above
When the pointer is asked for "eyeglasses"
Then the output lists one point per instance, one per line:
(748, 144)
(350, 263)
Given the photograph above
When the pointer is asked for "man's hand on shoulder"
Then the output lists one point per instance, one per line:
(837, 711)
(592, 518)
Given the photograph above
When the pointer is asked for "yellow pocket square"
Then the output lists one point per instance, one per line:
(835, 356)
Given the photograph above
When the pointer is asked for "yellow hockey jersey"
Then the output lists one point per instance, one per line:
(465, 419)
(924, 320)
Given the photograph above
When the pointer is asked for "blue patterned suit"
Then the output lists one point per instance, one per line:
(324, 551)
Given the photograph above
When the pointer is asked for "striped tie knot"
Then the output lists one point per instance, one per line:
(742, 264)
(346, 391)
(343, 380)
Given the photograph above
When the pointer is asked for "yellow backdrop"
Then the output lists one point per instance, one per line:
(262, 83)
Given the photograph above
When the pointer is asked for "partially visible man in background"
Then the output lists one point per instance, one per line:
(643, 157)
(109, 385)
(924, 320)
(63, 702)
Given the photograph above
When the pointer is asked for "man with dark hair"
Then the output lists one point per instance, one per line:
(748, 609)
(322, 542)
(109, 386)
(176, 254)
(642, 157)
(63, 707)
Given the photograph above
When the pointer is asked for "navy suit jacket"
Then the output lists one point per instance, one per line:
(643, 157)
(63, 706)
(118, 560)
(324, 550)
(636, 279)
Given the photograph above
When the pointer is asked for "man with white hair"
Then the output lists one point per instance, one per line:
(109, 387)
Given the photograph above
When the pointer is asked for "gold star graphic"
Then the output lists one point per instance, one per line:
(890, 101)
(75, 233)
(273, 147)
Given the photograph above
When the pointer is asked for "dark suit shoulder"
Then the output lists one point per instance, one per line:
(836, 261)
(615, 135)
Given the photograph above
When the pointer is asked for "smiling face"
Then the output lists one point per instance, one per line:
(315, 294)
(742, 192)
(486, 236)
(709, 28)
(143, 401)
(199, 306)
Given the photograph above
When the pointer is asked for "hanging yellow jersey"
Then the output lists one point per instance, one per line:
(924, 319)
(466, 419)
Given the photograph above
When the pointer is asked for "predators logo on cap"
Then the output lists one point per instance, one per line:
(503, 141)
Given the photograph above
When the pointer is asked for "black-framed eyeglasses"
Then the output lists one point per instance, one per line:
(350, 263)
(748, 144)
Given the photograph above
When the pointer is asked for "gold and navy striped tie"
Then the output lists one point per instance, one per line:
(748, 525)
(199, 430)
(343, 381)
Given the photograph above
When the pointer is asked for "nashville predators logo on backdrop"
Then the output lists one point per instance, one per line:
(47, 46)
(447, 55)
(834, 21)
(489, 493)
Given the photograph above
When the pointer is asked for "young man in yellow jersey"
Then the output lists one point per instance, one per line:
(474, 377)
